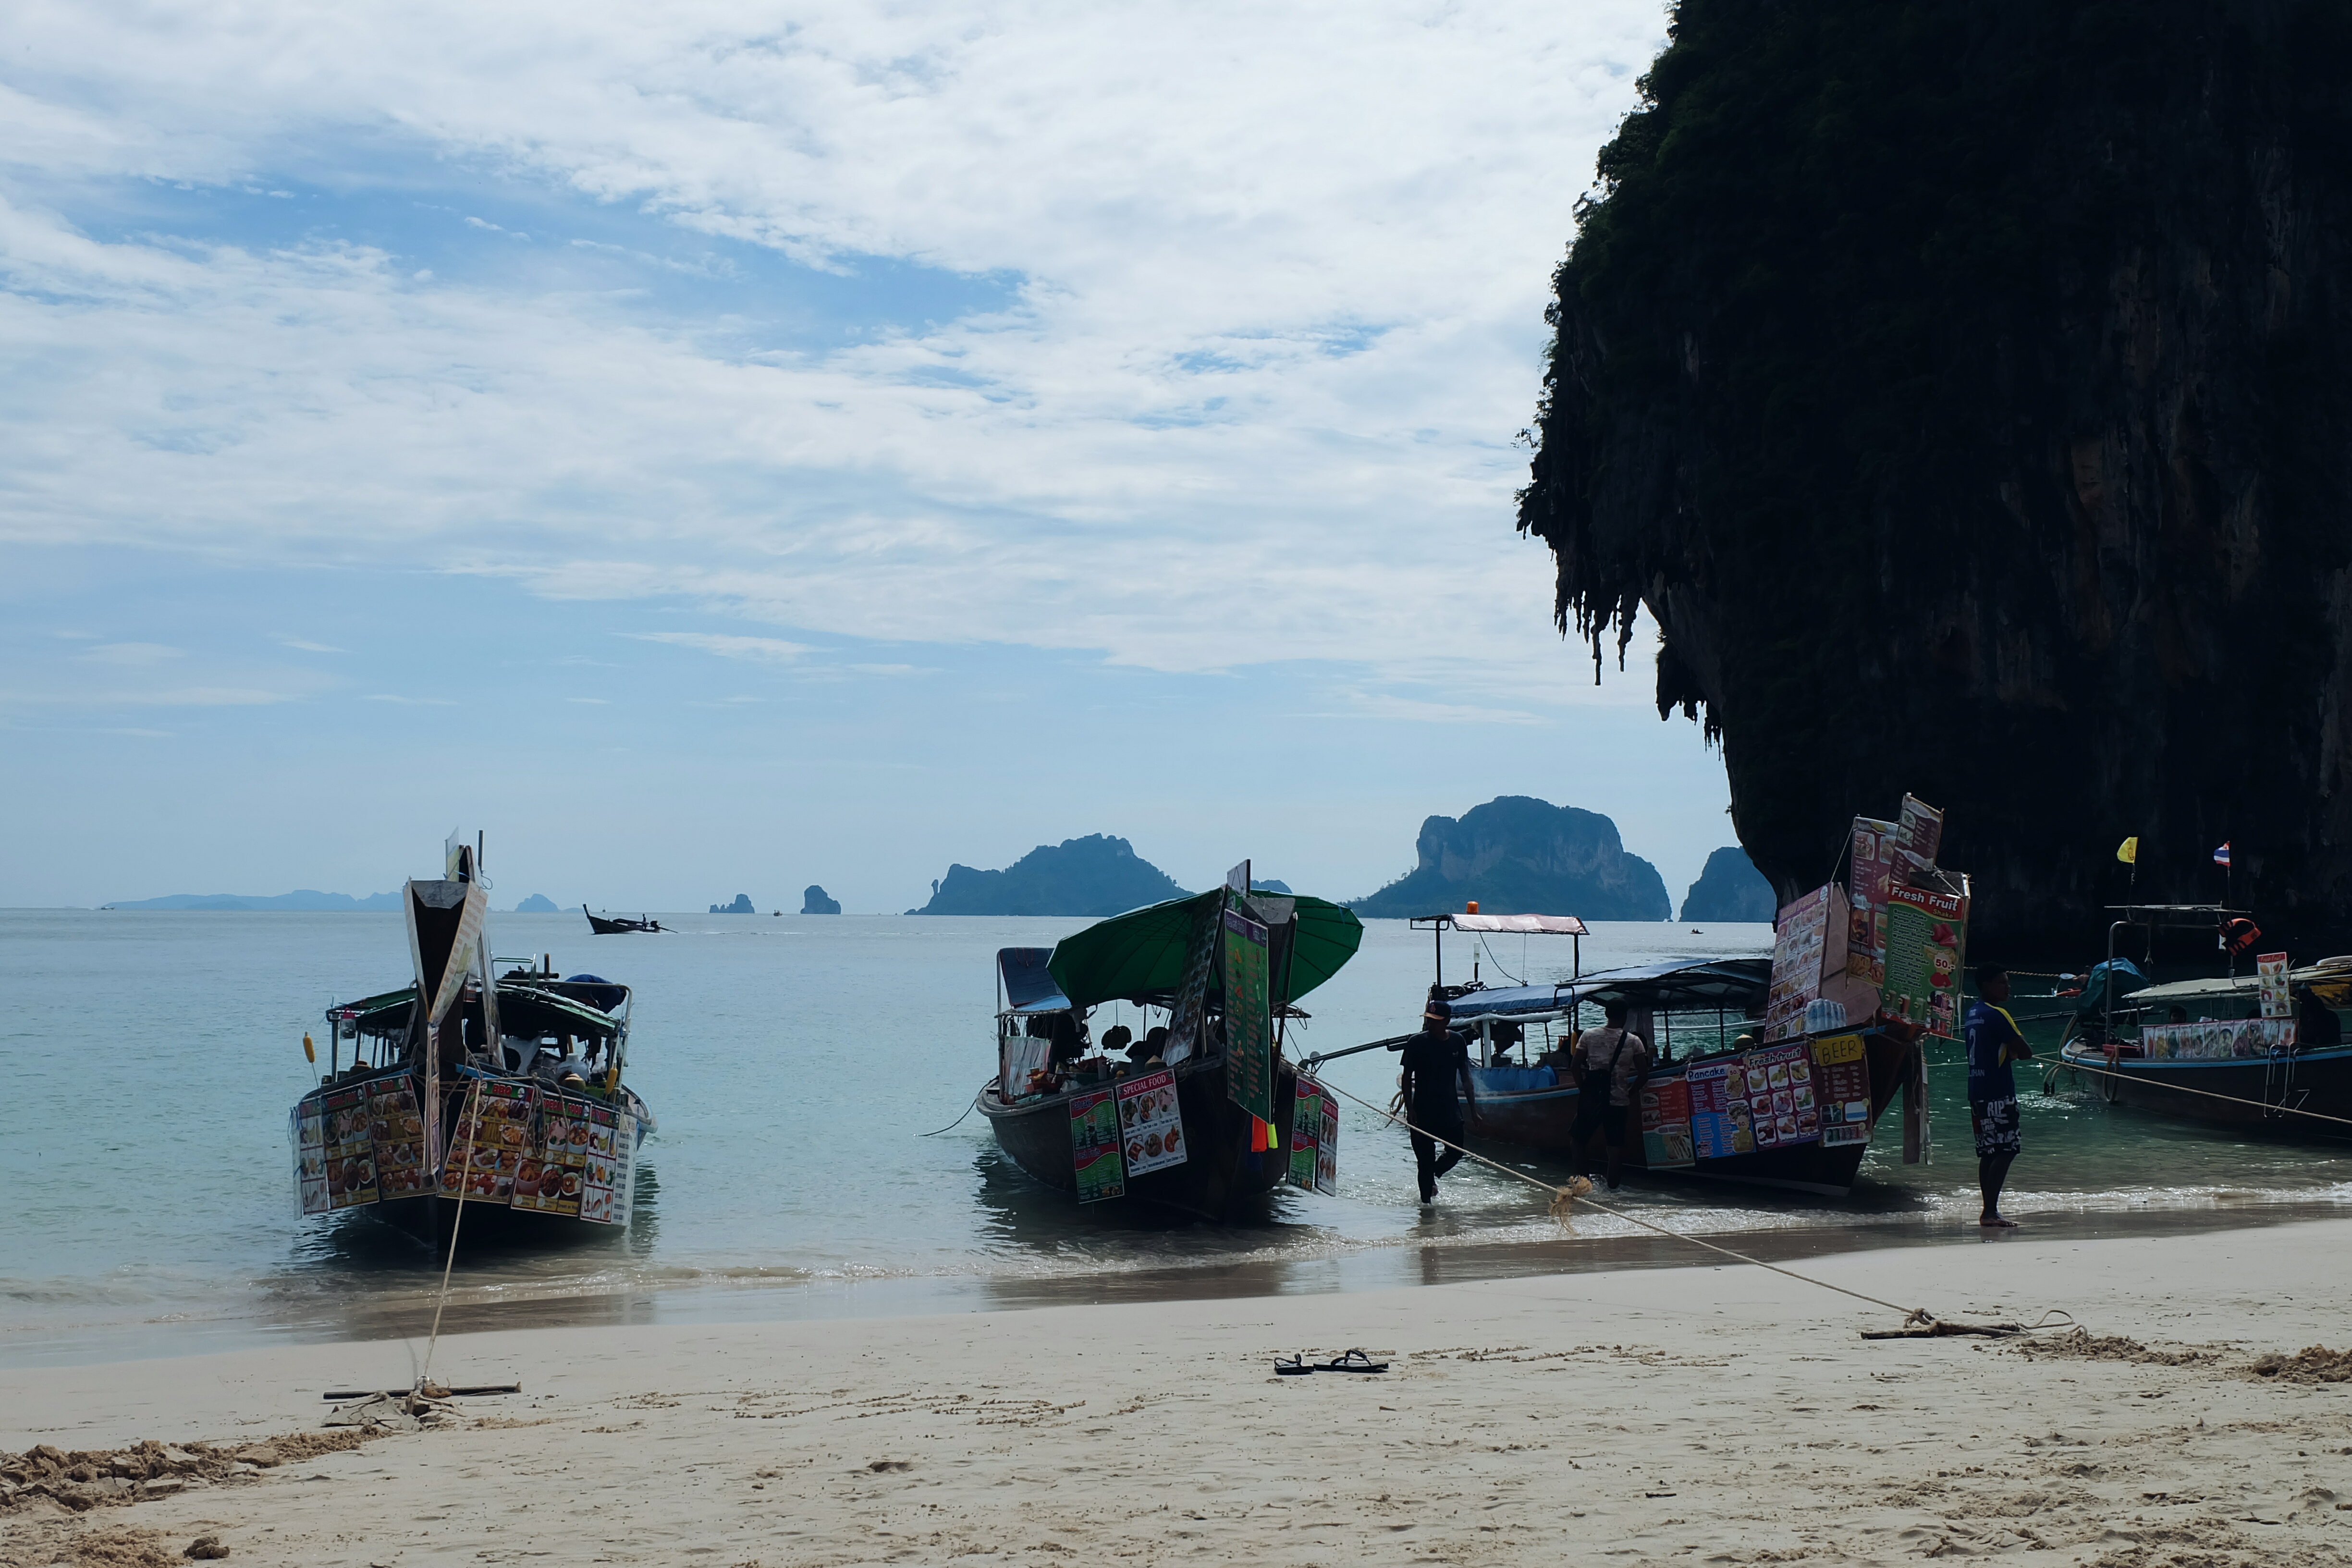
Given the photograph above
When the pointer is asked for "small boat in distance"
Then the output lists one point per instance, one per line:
(606, 925)
(1199, 1123)
(501, 1093)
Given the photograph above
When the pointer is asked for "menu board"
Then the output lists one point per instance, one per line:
(2277, 1002)
(1151, 1121)
(1918, 835)
(1666, 1124)
(624, 1166)
(398, 1131)
(1094, 1146)
(492, 1141)
(1869, 872)
(1326, 1148)
(2215, 1040)
(349, 1149)
(1305, 1128)
(1841, 1088)
(1249, 1023)
(1718, 1113)
(1797, 945)
(1781, 1102)
(1926, 931)
(310, 1129)
(552, 1175)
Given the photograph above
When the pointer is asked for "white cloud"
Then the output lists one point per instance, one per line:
(763, 649)
(132, 654)
(306, 644)
(413, 701)
(1278, 276)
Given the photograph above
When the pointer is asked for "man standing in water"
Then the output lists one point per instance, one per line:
(1611, 1064)
(1994, 1042)
(1435, 1061)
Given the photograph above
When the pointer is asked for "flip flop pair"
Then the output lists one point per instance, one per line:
(1353, 1361)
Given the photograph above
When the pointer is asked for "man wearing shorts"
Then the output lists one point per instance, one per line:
(1994, 1042)
(1611, 1063)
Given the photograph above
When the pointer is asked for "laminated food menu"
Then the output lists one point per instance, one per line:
(1094, 1147)
(1719, 1113)
(1842, 1086)
(1797, 942)
(349, 1149)
(309, 1128)
(490, 1143)
(1780, 1091)
(1150, 1122)
(554, 1165)
(397, 1133)
(1666, 1124)
(599, 1172)
(1314, 1139)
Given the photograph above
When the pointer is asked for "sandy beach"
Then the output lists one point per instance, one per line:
(1721, 1415)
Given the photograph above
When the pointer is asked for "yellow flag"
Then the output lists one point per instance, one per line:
(2128, 851)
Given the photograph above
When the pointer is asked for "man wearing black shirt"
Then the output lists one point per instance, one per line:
(1435, 1061)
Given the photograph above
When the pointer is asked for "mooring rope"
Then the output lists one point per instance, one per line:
(465, 1178)
(2068, 1064)
(1563, 1198)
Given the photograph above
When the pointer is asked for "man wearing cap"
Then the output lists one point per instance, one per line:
(1436, 1060)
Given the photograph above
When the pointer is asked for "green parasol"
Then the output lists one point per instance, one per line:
(1141, 952)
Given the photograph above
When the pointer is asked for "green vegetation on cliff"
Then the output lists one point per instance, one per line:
(1965, 388)
(1517, 855)
(1097, 875)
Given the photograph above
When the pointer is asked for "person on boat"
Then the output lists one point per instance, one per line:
(2316, 1026)
(1152, 1047)
(1610, 1063)
(1435, 1061)
(1117, 1038)
(1994, 1042)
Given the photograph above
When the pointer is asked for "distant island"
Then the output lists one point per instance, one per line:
(1269, 886)
(1731, 889)
(302, 899)
(537, 904)
(1097, 875)
(742, 906)
(1517, 855)
(813, 901)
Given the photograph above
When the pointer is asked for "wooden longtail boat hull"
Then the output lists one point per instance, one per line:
(1544, 1119)
(2261, 1092)
(1221, 1176)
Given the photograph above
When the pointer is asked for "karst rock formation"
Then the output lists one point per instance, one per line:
(1965, 389)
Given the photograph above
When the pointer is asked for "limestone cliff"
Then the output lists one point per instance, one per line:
(1097, 875)
(1517, 855)
(1966, 388)
(1729, 888)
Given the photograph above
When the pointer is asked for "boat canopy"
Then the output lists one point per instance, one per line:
(529, 1011)
(2330, 979)
(1139, 955)
(1028, 986)
(1683, 983)
(1517, 925)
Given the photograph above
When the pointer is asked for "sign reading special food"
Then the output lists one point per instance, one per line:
(1666, 1124)
(1095, 1146)
(1841, 1088)
(1151, 1121)
(1719, 1113)
(1926, 931)
(1797, 944)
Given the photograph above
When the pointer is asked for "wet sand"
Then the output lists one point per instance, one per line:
(1723, 1415)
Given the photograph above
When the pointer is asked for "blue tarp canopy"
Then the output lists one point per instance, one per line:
(1028, 988)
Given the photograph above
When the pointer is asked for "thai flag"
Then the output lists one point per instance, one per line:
(2221, 855)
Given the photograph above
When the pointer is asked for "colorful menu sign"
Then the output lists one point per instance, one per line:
(1665, 1109)
(349, 1149)
(2271, 970)
(1869, 874)
(1095, 1146)
(1781, 1102)
(1151, 1123)
(1797, 945)
(1314, 1139)
(1249, 1020)
(1926, 933)
(1719, 1113)
(494, 1134)
(2216, 1039)
(310, 1129)
(1841, 1088)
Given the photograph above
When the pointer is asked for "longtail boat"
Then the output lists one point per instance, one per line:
(502, 1093)
(1216, 1116)
(618, 925)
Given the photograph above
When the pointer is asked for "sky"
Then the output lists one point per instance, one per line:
(723, 448)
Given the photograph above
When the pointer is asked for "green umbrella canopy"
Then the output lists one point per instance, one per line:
(1142, 954)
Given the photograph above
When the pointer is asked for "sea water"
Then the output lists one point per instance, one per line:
(808, 1074)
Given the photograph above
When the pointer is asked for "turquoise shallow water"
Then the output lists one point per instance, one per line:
(793, 1063)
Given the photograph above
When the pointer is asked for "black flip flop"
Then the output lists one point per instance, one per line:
(1354, 1361)
(1293, 1367)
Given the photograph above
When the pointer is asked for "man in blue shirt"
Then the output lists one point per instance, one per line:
(1994, 1042)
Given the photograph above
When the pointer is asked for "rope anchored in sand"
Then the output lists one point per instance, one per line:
(1918, 1322)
